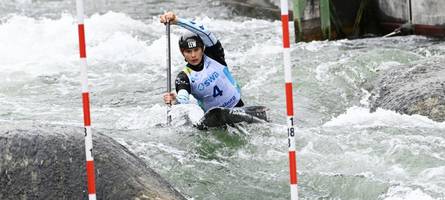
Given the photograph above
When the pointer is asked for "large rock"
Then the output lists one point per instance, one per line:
(416, 89)
(48, 162)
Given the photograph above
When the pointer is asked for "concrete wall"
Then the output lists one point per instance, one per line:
(343, 15)
(429, 12)
(310, 22)
(394, 10)
(311, 11)
(425, 12)
(380, 16)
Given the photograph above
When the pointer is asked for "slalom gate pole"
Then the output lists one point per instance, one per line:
(289, 101)
(169, 82)
(86, 103)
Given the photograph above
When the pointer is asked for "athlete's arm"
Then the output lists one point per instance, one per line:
(213, 48)
(216, 52)
(207, 37)
(183, 89)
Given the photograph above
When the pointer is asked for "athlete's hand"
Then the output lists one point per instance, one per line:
(170, 98)
(168, 17)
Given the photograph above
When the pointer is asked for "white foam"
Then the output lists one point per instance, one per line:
(388, 65)
(323, 70)
(316, 46)
(119, 47)
(365, 98)
(405, 193)
(433, 179)
(139, 118)
(433, 173)
(221, 25)
(47, 46)
(263, 74)
(186, 113)
(360, 117)
(31, 44)
(112, 37)
(22, 2)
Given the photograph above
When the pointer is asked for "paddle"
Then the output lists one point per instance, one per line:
(169, 85)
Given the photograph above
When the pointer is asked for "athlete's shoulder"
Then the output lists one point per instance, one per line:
(210, 61)
(216, 52)
(186, 71)
(182, 74)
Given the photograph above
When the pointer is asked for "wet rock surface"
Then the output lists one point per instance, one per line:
(48, 162)
(415, 89)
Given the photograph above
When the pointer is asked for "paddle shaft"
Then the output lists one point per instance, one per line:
(169, 84)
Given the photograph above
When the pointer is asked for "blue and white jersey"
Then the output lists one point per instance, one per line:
(213, 86)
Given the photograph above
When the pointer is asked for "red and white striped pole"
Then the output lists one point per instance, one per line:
(86, 103)
(289, 101)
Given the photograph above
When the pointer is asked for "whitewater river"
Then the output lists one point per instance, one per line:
(343, 151)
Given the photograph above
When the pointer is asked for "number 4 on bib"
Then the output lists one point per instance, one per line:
(217, 91)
